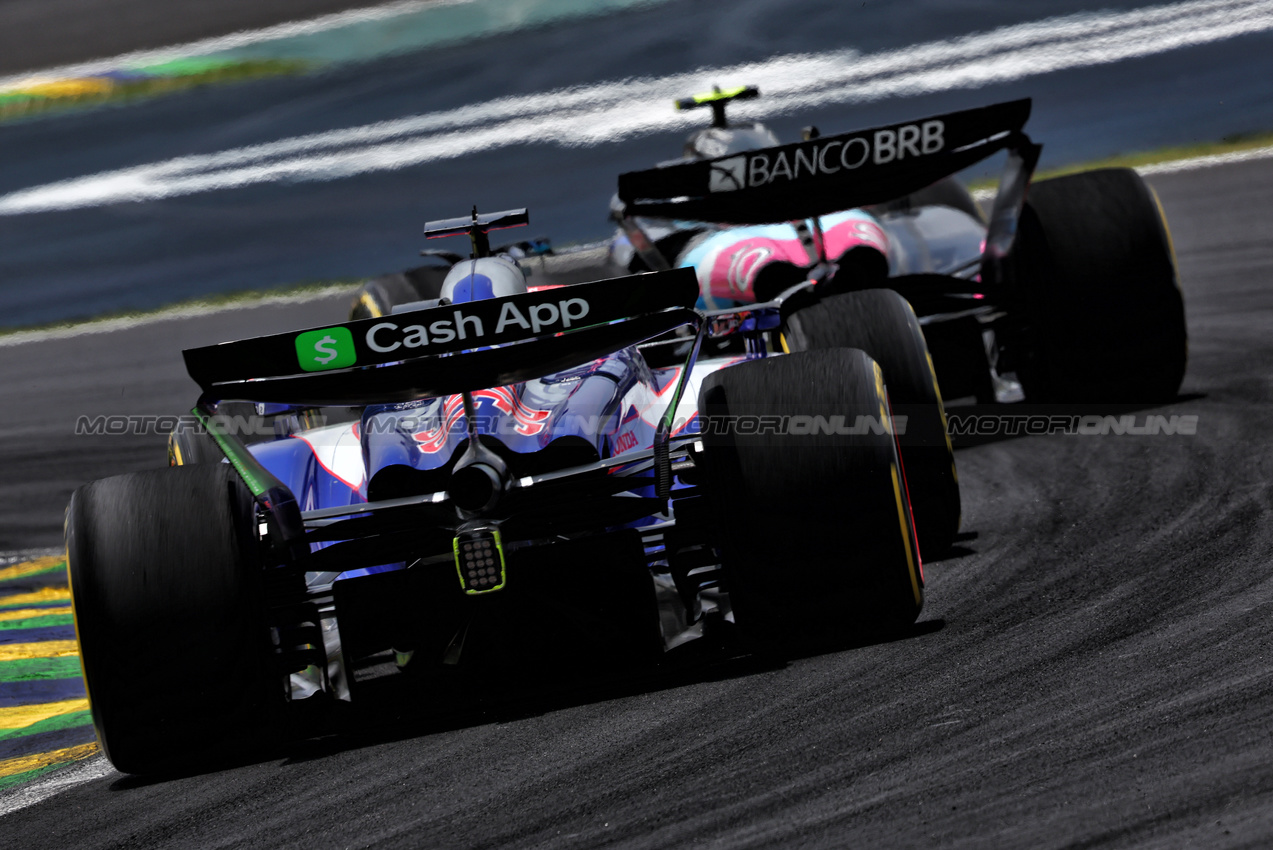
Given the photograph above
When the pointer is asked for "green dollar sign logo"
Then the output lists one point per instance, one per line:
(327, 348)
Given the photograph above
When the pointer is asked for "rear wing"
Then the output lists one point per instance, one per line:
(825, 174)
(447, 349)
(477, 227)
(717, 100)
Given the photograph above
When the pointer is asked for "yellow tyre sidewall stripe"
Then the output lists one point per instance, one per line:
(906, 537)
(1166, 229)
(75, 620)
(1171, 248)
(373, 308)
(897, 489)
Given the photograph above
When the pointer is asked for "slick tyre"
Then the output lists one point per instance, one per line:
(166, 588)
(814, 528)
(1095, 278)
(377, 297)
(882, 323)
(187, 447)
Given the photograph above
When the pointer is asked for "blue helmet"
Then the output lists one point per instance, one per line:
(483, 277)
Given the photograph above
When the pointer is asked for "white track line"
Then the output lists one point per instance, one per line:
(55, 782)
(178, 313)
(124, 323)
(1205, 161)
(21, 556)
(1174, 166)
(585, 116)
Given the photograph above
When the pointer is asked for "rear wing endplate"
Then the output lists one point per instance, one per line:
(825, 174)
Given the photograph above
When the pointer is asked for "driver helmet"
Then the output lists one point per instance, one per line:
(481, 278)
(711, 142)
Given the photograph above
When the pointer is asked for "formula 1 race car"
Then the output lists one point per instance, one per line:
(534, 481)
(1068, 293)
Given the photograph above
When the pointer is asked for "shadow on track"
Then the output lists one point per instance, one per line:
(403, 713)
(955, 552)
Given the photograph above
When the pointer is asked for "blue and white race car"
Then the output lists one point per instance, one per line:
(535, 480)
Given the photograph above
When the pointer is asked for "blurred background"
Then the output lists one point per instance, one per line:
(156, 152)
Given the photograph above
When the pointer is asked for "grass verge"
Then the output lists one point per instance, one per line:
(1138, 159)
(127, 86)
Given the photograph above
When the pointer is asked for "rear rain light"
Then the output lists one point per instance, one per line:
(479, 559)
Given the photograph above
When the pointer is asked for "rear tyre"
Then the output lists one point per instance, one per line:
(1096, 277)
(882, 323)
(814, 528)
(188, 446)
(166, 588)
(377, 297)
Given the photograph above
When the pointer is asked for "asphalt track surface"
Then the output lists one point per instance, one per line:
(1092, 668)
